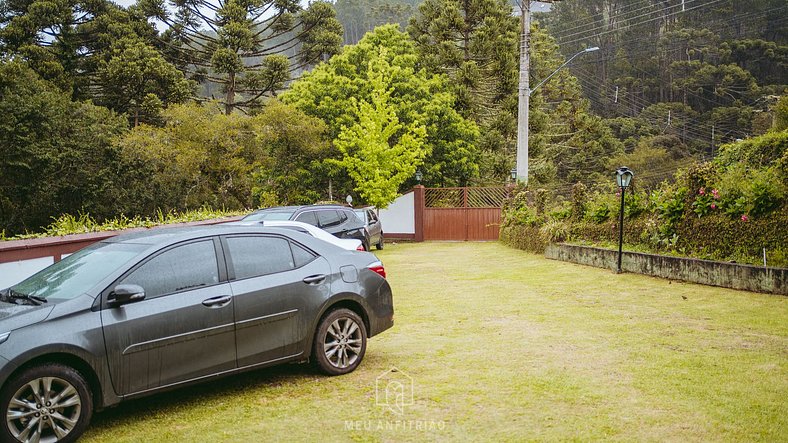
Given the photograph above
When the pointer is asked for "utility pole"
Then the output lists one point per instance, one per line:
(524, 91)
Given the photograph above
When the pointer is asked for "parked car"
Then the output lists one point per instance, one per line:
(143, 312)
(340, 221)
(351, 244)
(374, 226)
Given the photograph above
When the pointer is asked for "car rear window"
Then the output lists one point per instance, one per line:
(328, 218)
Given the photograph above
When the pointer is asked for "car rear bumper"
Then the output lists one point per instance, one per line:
(382, 317)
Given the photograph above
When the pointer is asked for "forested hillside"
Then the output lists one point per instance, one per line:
(170, 105)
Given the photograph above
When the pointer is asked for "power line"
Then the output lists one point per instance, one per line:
(624, 28)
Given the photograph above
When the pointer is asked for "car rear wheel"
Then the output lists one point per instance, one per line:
(379, 246)
(47, 403)
(340, 342)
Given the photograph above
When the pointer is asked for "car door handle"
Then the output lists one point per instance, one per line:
(217, 302)
(314, 279)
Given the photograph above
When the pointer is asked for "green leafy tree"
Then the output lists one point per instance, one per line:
(199, 157)
(295, 145)
(56, 155)
(248, 47)
(379, 152)
(415, 96)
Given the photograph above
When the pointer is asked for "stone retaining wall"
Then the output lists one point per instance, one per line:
(727, 275)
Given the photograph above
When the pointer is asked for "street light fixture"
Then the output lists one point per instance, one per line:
(623, 179)
(584, 51)
(419, 176)
(514, 174)
(522, 114)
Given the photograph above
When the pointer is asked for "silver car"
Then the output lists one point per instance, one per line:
(139, 313)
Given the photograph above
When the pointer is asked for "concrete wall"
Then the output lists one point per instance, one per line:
(727, 275)
(399, 217)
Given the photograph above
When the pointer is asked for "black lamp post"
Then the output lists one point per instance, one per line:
(623, 178)
(419, 176)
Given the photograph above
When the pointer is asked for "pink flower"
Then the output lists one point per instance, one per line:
(744, 218)
(713, 206)
(702, 191)
(715, 193)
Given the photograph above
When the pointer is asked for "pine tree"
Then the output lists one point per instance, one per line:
(248, 47)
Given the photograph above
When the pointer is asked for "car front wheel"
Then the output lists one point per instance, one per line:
(47, 403)
(340, 342)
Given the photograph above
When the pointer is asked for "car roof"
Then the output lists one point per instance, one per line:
(302, 207)
(163, 235)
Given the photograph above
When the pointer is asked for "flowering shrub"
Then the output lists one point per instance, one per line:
(705, 202)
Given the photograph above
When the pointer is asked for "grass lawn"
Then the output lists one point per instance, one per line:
(506, 345)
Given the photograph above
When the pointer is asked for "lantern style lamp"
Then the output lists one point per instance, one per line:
(623, 179)
(419, 176)
(513, 174)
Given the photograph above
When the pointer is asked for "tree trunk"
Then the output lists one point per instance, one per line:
(229, 102)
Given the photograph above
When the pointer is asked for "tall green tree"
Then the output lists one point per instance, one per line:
(415, 96)
(66, 41)
(474, 42)
(379, 152)
(56, 155)
(138, 81)
(248, 47)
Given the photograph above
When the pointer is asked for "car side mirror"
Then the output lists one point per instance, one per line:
(123, 294)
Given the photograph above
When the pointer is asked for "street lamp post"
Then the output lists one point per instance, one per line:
(522, 113)
(623, 178)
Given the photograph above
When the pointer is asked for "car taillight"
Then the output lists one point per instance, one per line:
(360, 248)
(377, 267)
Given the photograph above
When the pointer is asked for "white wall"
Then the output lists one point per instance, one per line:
(400, 216)
(14, 272)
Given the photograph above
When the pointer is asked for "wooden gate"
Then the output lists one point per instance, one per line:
(463, 213)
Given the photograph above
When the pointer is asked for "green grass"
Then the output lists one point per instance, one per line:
(503, 345)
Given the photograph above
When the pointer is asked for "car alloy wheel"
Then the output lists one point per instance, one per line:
(49, 404)
(340, 342)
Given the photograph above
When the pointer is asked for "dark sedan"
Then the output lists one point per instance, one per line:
(144, 312)
(339, 221)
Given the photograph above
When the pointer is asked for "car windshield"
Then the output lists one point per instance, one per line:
(269, 215)
(77, 273)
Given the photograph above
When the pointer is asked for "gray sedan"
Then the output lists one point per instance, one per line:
(145, 312)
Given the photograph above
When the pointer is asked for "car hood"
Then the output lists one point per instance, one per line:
(13, 316)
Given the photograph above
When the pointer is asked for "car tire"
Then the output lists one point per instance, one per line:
(72, 403)
(340, 342)
(379, 246)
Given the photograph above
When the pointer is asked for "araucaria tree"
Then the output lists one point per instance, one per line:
(248, 47)
(474, 42)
